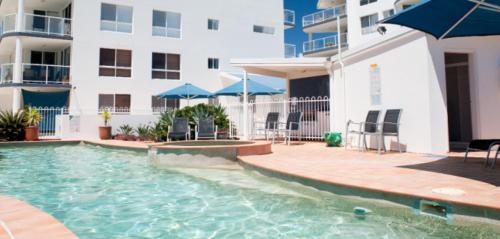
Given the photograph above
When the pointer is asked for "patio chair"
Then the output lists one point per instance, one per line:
(271, 125)
(206, 129)
(179, 130)
(390, 128)
(292, 124)
(369, 126)
(484, 145)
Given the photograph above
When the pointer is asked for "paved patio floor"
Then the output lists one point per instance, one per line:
(443, 178)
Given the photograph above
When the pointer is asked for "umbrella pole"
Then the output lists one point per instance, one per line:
(245, 105)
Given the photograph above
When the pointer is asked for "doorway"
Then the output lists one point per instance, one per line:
(458, 100)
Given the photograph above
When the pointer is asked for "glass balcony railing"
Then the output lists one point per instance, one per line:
(290, 51)
(38, 24)
(6, 73)
(326, 43)
(323, 16)
(289, 17)
(45, 74)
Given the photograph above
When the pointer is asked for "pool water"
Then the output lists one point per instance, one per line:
(105, 193)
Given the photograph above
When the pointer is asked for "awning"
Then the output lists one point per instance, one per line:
(45, 99)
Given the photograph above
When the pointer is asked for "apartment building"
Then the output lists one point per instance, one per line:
(118, 54)
(446, 88)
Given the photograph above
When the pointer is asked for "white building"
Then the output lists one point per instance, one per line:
(448, 89)
(120, 53)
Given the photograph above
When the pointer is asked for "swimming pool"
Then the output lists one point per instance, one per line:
(106, 193)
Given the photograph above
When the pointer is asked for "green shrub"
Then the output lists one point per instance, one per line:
(126, 130)
(12, 125)
(145, 132)
(159, 131)
(194, 113)
(33, 117)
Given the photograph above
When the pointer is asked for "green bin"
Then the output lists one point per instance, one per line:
(333, 139)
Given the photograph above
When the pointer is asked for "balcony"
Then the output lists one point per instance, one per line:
(322, 21)
(37, 74)
(327, 46)
(290, 51)
(38, 25)
(289, 19)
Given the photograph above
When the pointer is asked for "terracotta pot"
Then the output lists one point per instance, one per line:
(105, 132)
(31, 133)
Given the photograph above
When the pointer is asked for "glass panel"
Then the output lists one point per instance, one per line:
(173, 75)
(173, 20)
(123, 72)
(124, 58)
(157, 102)
(173, 62)
(106, 71)
(158, 61)
(58, 74)
(106, 101)
(124, 14)
(108, 12)
(173, 103)
(159, 31)
(56, 26)
(107, 57)
(159, 75)
(174, 33)
(122, 101)
(108, 26)
(159, 19)
(123, 27)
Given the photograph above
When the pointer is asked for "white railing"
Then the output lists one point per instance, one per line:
(289, 17)
(323, 16)
(47, 25)
(325, 43)
(45, 74)
(8, 23)
(115, 110)
(314, 123)
(6, 73)
(167, 32)
(47, 127)
(290, 51)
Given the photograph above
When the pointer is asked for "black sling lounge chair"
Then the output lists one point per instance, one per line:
(270, 126)
(369, 126)
(484, 145)
(293, 123)
(390, 128)
(206, 129)
(180, 129)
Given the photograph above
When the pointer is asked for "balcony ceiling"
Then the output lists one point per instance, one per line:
(10, 6)
(8, 44)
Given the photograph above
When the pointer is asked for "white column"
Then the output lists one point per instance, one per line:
(245, 105)
(331, 90)
(16, 99)
(18, 61)
(20, 16)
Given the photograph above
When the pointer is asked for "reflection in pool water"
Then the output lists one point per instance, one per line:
(104, 193)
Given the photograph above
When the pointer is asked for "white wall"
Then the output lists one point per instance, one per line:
(87, 126)
(413, 79)
(235, 39)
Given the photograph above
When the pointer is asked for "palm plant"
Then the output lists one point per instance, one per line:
(167, 117)
(145, 132)
(126, 130)
(200, 112)
(220, 117)
(106, 116)
(33, 117)
(12, 125)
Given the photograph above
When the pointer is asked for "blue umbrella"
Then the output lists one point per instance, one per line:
(254, 88)
(452, 18)
(186, 91)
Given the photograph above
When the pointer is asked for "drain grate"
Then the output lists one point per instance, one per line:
(435, 209)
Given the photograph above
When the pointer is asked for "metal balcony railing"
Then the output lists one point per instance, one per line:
(289, 17)
(48, 25)
(290, 51)
(325, 43)
(323, 16)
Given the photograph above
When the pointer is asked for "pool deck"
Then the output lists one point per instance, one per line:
(26, 221)
(443, 178)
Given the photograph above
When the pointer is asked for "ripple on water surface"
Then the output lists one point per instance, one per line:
(104, 193)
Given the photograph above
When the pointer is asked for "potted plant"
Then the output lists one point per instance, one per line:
(105, 131)
(33, 118)
(126, 133)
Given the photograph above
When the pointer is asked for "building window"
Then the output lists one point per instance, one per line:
(388, 13)
(114, 103)
(116, 18)
(213, 24)
(159, 104)
(115, 63)
(263, 29)
(213, 63)
(166, 24)
(166, 66)
(365, 2)
(369, 23)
